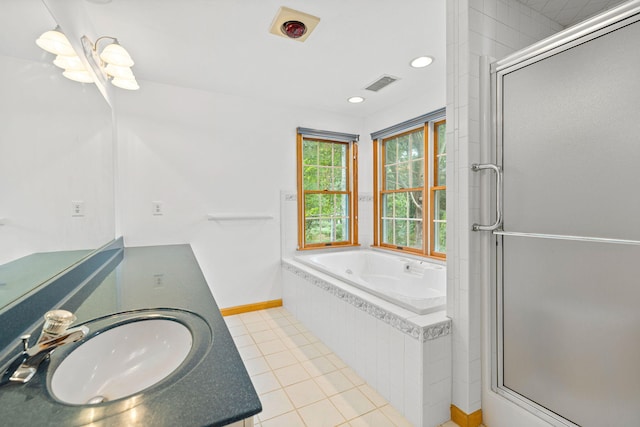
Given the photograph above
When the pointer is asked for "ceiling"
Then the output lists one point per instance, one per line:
(570, 12)
(225, 46)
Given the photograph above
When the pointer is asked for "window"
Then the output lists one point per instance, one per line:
(327, 189)
(410, 186)
(438, 212)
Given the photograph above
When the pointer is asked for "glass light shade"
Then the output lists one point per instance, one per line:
(421, 61)
(70, 63)
(116, 55)
(129, 84)
(119, 72)
(54, 41)
(356, 99)
(81, 76)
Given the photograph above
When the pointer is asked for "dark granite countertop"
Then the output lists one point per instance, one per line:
(215, 391)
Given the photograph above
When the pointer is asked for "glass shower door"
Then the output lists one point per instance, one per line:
(568, 257)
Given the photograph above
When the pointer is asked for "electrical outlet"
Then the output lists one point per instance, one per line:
(156, 208)
(158, 280)
(77, 208)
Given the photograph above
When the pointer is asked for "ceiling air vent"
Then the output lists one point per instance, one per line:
(382, 82)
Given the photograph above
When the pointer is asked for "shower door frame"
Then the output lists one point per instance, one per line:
(493, 74)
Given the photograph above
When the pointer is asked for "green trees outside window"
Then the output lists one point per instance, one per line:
(402, 195)
(326, 192)
(411, 205)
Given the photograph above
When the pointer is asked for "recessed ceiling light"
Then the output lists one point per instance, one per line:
(421, 61)
(356, 99)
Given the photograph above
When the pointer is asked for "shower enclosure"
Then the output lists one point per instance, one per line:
(566, 267)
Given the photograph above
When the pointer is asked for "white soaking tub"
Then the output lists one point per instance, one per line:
(384, 315)
(417, 285)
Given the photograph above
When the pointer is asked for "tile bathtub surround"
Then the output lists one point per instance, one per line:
(300, 381)
(412, 371)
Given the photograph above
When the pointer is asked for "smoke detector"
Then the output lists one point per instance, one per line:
(293, 24)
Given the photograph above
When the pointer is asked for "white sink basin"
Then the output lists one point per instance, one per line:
(121, 361)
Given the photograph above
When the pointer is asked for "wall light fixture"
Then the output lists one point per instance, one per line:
(113, 63)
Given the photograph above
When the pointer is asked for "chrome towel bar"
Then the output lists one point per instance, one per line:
(566, 237)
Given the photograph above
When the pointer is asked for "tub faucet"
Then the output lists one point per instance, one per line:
(54, 334)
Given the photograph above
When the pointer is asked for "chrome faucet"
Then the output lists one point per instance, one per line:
(54, 334)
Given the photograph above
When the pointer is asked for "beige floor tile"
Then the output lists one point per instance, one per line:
(249, 352)
(270, 347)
(322, 348)
(274, 313)
(321, 414)
(373, 395)
(291, 374)
(286, 331)
(243, 340)
(304, 393)
(372, 419)
(305, 352)
(336, 361)
(352, 403)
(290, 419)
(264, 336)
(352, 376)
(333, 383)
(281, 359)
(395, 416)
(300, 327)
(273, 404)
(233, 320)
(257, 326)
(265, 382)
(238, 330)
(312, 338)
(251, 317)
(293, 341)
(451, 424)
(319, 366)
(282, 321)
(291, 369)
(256, 366)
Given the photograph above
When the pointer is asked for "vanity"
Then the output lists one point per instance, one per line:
(210, 386)
(58, 205)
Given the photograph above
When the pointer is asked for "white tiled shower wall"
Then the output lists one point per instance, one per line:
(475, 28)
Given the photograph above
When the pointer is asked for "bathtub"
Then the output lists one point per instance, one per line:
(417, 285)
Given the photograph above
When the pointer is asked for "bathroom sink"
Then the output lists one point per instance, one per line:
(127, 354)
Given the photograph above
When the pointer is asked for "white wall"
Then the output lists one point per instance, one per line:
(474, 28)
(56, 145)
(200, 153)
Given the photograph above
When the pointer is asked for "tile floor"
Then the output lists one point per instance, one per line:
(300, 381)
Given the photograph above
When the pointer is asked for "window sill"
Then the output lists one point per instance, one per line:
(410, 252)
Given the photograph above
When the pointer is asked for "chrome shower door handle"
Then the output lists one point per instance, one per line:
(498, 170)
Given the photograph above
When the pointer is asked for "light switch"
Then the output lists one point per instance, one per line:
(157, 209)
